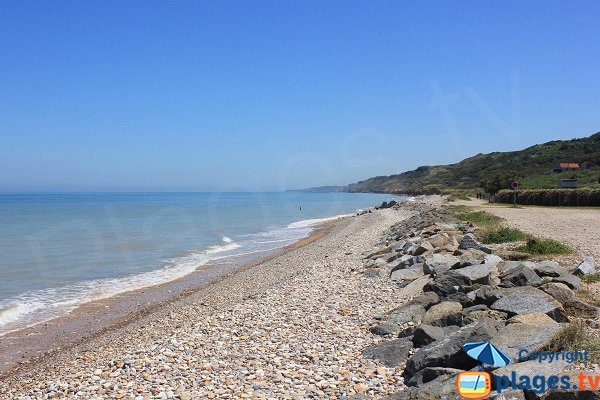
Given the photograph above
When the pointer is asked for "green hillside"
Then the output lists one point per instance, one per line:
(532, 167)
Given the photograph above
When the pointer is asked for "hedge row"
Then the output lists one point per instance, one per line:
(552, 197)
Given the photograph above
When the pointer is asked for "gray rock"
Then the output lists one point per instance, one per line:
(559, 291)
(425, 334)
(472, 314)
(471, 257)
(401, 245)
(443, 314)
(531, 368)
(527, 299)
(440, 263)
(516, 336)
(549, 268)
(492, 259)
(408, 274)
(470, 242)
(476, 273)
(422, 248)
(571, 281)
(506, 266)
(448, 283)
(586, 267)
(426, 299)
(404, 314)
(448, 352)
(429, 374)
(391, 353)
(386, 328)
(520, 276)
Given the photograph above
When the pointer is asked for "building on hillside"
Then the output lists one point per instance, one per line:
(568, 183)
(562, 167)
(586, 165)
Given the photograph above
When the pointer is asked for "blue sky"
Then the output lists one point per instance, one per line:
(270, 95)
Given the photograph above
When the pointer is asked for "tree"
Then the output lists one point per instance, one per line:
(498, 182)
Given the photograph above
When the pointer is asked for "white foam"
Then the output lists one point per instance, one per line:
(42, 305)
(311, 222)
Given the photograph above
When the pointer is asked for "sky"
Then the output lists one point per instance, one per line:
(272, 95)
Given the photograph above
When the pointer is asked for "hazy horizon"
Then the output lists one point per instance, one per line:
(269, 96)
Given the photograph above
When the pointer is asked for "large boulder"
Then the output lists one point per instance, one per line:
(571, 281)
(531, 334)
(586, 267)
(408, 274)
(438, 263)
(448, 283)
(504, 376)
(474, 313)
(479, 273)
(448, 352)
(425, 334)
(506, 266)
(422, 248)
(520, 276)
(391, 353)
(527, 299)
(443, 314)
(559, 291)
(426, 299)
(549, 268)
(429, 374)
(393, 321)
(470, 242)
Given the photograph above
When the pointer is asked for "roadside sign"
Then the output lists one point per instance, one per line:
(515, 185)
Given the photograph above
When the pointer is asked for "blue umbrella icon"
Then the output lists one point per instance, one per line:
(486, 353)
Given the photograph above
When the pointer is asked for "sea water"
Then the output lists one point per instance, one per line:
(60, 250)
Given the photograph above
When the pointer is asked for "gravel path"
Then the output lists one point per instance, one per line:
(576, 226)
(290, 328)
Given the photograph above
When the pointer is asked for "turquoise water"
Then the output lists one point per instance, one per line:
(59, 250)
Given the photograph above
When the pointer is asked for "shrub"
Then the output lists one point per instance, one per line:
(552, 197)
(592, 278)
(545, 246)
(503, 235)
(575, 337)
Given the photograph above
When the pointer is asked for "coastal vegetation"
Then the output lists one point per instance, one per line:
(575, 337)
(533, 167)
(492, 231)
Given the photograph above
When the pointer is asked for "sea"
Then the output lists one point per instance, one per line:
(58, 251)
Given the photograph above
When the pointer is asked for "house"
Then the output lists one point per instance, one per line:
(562, 167)
(568, 183)
(586, 165)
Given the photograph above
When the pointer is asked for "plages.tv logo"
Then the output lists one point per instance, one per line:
(478, 384)
(474, 384)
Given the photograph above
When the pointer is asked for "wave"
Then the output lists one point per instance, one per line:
(38, 306)
(311, 222)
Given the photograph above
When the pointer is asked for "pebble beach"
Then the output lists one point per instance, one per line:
(291, 327)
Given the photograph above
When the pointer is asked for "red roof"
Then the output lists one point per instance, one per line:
(569, 165)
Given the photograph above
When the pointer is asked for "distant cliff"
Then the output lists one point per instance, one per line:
(532, 167)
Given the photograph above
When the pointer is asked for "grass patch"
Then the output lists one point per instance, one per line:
(537, 246)
(482, 218)
(503, 235)
(575, 337)
(592, 278)
(587, 296)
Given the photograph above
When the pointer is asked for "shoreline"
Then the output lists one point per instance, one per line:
(305, 311)
(26, 347)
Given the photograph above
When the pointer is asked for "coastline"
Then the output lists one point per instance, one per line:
(23, 348)
(312, 294)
